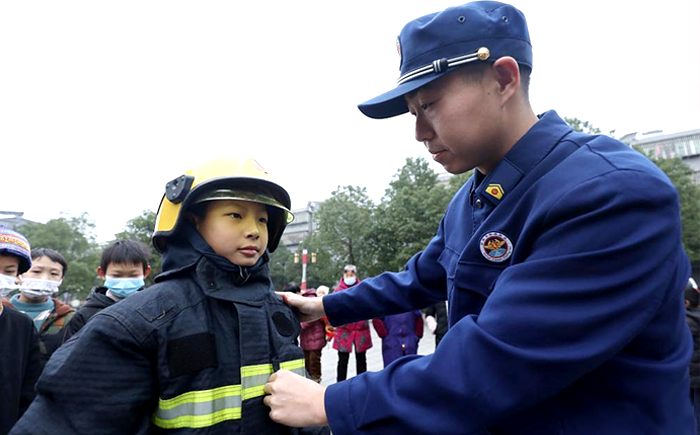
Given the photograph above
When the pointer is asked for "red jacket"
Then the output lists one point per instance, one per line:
(356, 333)
(312, 333)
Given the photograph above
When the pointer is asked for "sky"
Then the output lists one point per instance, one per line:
(103, 102)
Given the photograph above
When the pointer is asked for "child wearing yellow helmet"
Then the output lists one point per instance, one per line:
(195, 351)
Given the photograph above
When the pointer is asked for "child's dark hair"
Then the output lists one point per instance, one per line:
(692, 295)
(125, 252)
(292, 287)
(51, 255)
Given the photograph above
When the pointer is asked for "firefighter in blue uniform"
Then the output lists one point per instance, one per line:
(189, 355)
(561, 260)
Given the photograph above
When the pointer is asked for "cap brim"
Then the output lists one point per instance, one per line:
(393, 103)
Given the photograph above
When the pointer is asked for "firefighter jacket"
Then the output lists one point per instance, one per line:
(189, 356)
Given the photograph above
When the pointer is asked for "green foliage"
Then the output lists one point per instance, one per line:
(141, 229)
(582, 126)
(681, 176)
(408, 216)
(72, 237)
(281, 262)
(344, 226)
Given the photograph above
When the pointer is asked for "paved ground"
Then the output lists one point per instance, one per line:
(329, 357)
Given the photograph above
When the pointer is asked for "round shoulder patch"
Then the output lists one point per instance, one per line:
(495, 246)
(283, 324)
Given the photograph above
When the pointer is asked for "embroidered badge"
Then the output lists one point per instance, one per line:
(496, 247)
(398, 48)
(495, 190)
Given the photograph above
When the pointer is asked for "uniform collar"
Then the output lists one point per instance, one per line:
(522, 157)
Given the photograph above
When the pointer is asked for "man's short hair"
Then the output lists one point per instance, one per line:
(125, 252)
(473, 73)
(51, 255)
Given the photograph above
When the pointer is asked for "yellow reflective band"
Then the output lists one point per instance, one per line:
(200, 396)
(252, 392)
(256, 370)
(198, 421)
(291, 365)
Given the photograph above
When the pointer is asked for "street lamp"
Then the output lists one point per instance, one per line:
(304, 260)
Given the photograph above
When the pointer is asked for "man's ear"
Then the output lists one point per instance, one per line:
(507, 75)
(100, 272)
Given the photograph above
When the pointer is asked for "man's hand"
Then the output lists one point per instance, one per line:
(294, 400)
(310, 309)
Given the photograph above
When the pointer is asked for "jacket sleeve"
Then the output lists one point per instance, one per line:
(102, 382)
(419, 285)
(419, 326)
(380, 327)
(590, 284)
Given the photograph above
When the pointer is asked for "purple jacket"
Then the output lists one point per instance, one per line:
(400, 334)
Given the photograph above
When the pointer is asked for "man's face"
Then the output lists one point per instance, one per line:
(236, 230)
(45, 268)
(9, 265)
(459, 121)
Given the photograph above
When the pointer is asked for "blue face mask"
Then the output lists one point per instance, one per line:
(123, 287)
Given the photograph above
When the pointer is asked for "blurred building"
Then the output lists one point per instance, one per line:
(13, 219)
(684, 145)
(302, 227)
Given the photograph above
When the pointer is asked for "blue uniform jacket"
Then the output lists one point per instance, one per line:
(564, 272)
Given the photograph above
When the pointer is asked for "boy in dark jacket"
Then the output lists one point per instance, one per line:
(692, 316)
(20, 359)
(124, 267)
(192, 354)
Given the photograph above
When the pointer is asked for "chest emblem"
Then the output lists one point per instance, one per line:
(495, 190)
(496, 247)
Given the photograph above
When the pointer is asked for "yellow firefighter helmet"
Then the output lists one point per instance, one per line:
(217, 179)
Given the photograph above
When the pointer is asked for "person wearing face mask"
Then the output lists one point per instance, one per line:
(38, 286)
(20, 358)
(191, 354)
(124, 268)
(355, 333)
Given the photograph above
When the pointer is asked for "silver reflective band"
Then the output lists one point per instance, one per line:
(443, 64)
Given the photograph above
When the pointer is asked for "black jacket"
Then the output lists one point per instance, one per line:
(20, 365)
(692, 317)
(189, 356)
(439, 311)
(96, 301)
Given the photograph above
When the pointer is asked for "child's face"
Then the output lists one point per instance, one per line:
(45, 268)
(123, 270)
(9, 265)
(236, 230)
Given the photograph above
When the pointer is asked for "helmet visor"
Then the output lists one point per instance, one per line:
(261, 197)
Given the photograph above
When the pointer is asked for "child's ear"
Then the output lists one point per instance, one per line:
(147, 272)
(687, 303)
(100, 272)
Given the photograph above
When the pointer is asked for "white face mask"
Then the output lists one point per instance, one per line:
(7, 285)
(351, 280)
(39, 288)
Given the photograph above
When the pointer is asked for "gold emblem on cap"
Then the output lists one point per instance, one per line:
(483, 53)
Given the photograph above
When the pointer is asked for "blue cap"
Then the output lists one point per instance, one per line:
(433, 45)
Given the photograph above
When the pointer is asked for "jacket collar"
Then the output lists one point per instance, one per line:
(534, 146)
